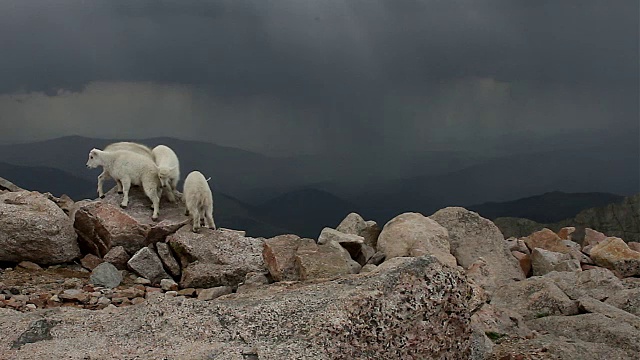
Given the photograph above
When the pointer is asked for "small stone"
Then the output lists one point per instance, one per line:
(255, 278)
(213, 293)
(138, 300)
(171, 293)
(368, 268)
(187, 292)
(168, 285)
(74, 295)
(142, 281)
(55, 298)
(103, 301)
(29, 265)
(129, 293)
(106, 274)
(31, 307)
(90, 261)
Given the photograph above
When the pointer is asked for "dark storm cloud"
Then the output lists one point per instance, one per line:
(315, 48)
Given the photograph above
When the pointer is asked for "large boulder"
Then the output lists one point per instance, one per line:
(323, 261)
(33, 228)
(103, 224)
(472, 237)
(598, 283)
(545, 261)
(414, 308)
(279, 255)
(354, 244)
(219, 257)
(613, 253)
(147, 264)
(413, 234)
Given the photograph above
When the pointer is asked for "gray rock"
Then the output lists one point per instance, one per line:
(368, 268)
(33, 228)
(598, 283)
(591, 305)
(106, 275)
(354, 224)
(168, 285)
(323, 261)
(148, 265)
(170, 262)
(413, 234)
(279, 255)
(627, 300)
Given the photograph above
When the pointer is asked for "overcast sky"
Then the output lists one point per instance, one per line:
(295, 76)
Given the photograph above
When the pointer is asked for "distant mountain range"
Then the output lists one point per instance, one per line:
(268, 195)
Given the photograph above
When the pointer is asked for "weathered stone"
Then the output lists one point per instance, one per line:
(533, 298)
(9, 186)
(214, 293)
(354, 224)
(106, 275)
(565, 232)
(550, 241)
(170, 262)
(377, 258)
(323, 261)
(74, 295)
(33, 228)
(413, 234)
(515, 244)
(524, 260)
(627, 300)
(187, 292)
(103, 224)
(90, 261)
(254, 278)
(350, 242)
(499, 322)
(29, 265)
(544, 261)
(609, 332)
(225, 257)
(168, 285)
(616, 220)
(635, 246)
(592, 237)
(118, 257)
(473, 237)
(598, 283)
(613, 253)
(142, 281)
(279, 255)
(368, 268)
(590, 305)
(148, 265)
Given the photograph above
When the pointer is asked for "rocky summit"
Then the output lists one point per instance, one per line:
(90, 280)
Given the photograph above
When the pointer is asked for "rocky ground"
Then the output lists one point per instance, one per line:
(90, 280)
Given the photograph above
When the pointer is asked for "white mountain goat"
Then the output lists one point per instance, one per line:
(129, 168)
(168, 170)
(198, 200)
(124, 145)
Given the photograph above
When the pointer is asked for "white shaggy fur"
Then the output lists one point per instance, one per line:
(198, 200)
(168, 170)
(124, 145)
(129, 168)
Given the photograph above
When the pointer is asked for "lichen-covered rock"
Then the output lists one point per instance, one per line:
(413, 234)
(33, 228)
(147, 264)
(419, 308)
(598, 283)
(627, 300)
(613, 253)
(103, 224)
(473, 237)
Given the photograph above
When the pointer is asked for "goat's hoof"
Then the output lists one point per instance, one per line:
(123, 206)
(101, 196)
(120, 192)
(154, 218)
(195, 230)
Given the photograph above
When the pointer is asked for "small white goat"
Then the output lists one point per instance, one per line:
(168, 169)
(129, 168)
(124, 145)
(198, 200)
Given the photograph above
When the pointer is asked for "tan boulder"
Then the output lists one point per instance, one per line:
(413, 234)
(613, 253)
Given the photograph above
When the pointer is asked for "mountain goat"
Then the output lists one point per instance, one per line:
(168, 169)
(124, 145)
(129, 168)
(198, 200)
